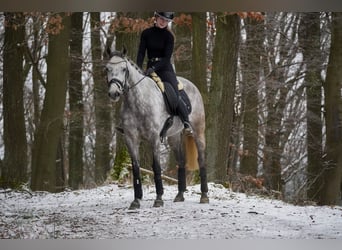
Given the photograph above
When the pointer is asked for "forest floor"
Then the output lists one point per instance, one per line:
(102, 213)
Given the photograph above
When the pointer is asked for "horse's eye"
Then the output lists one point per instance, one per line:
(107, 69)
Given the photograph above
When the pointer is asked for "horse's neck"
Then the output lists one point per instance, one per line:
(143, 92)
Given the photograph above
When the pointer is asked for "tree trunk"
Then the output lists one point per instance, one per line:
(131, 42)
(280, 52)
(199, 60)
(199, 56)
(102, 107)
(14, 172)
(309, 38)
(36, 49)
(333, 106)
(50, 129)
(182, 50)
(76, 103)
(221, 96)
(251, 67)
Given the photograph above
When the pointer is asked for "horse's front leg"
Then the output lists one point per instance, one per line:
(138, 194)
(157, 179)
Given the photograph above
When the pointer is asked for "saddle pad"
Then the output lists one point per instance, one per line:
(160, 83)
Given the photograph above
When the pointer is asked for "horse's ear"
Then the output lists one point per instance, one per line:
(124, 50)
(108, 52)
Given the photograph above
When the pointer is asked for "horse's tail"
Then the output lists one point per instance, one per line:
(191, 153)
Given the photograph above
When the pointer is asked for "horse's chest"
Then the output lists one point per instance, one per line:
(143, 115)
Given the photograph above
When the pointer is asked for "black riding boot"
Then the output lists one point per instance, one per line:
(184, 116)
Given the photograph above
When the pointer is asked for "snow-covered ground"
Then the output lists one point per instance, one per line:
(102, 213)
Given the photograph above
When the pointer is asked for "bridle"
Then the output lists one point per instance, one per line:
(123, 87)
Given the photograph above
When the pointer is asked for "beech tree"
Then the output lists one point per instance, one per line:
(251, 54)
(102, 108)
(199, 62)
(75, 150)
(309, 38)
(221, 95)
(49, 131)
(14, 169)
(182, 50)
(332, 178)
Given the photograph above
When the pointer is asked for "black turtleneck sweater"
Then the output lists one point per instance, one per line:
(158, 43)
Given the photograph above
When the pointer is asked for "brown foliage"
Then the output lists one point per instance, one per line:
(136, 25)
(54, 25)
(183, 19)
(246, 183)
(14, 21)
(129, 25)
(258, 16)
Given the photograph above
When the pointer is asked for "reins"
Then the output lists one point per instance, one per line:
(135, 84)
(122, 85)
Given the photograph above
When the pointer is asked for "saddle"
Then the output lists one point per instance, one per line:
(171, 100)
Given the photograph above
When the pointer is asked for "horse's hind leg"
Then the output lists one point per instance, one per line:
(178, 150)
(204, 186)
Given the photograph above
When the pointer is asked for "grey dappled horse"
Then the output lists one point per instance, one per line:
(143, 114)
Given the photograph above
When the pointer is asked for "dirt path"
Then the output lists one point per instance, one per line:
(102, 213)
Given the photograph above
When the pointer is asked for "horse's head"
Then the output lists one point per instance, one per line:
(117, 74)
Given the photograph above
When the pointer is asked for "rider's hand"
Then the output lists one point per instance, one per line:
(149, 71)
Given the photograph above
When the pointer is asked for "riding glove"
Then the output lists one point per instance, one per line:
(149, 71)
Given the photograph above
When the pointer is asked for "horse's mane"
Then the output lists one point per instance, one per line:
(124, 56)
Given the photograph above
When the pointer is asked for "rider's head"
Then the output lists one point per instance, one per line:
(163, 19)
(167, 16)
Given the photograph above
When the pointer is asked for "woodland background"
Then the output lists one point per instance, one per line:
(271, 83)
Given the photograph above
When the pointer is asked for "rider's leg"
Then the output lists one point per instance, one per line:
(184, 116)
(169, 76)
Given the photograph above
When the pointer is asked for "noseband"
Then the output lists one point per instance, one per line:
(123, 87)
(118, 83)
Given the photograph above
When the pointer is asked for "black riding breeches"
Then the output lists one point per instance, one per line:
(169, 77)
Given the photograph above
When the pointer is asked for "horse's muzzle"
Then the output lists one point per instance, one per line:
(115, 89)
(114, 95)
(114, 92)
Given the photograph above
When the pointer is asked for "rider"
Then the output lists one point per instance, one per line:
(158, 41)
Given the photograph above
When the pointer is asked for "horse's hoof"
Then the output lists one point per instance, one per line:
(179, 197)
(204, 198)
(158, 203)
(134, 205)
